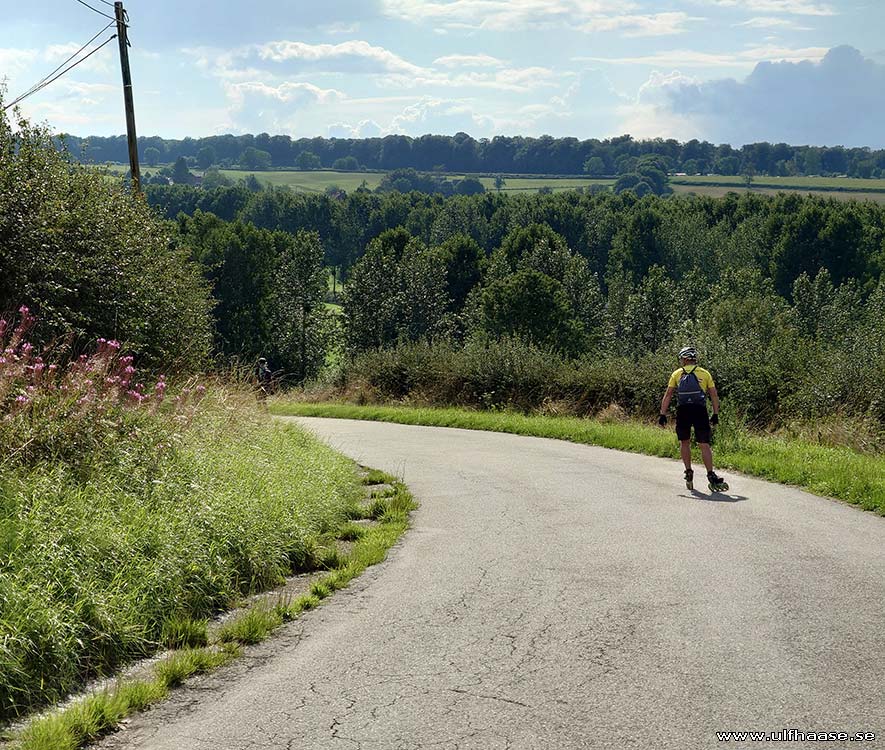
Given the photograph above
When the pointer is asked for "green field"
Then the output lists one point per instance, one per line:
(718, 191)
(792, 183)
(842, 188)
(318, 181)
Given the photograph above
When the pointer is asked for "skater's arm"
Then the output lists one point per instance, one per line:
(665, 402)
(714, 398)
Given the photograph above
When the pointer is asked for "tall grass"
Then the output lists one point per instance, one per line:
(127, 512)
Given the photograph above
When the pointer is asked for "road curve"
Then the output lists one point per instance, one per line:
(560, 596)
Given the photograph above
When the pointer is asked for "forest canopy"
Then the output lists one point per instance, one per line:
(461, 153)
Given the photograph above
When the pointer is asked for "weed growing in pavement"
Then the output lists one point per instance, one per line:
(184, 632)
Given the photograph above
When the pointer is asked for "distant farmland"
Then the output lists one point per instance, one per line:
(718, 191)
(317, 182)
(853, 184)
(841, 188)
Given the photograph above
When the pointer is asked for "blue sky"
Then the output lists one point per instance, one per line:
(801, 71)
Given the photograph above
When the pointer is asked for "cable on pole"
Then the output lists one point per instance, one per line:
(96, 10)
(36, 86)
(46, 82)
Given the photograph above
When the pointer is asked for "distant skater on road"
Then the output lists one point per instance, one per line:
(264, 377)
(692, 385)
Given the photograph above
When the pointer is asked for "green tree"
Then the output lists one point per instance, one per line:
(181, 175)
(253, 158)
(595, 166)
(469, 186)
(499, 182)
(652, 313)
(300, 323)
(212, 179)
(240, 262)
(89, 259)
(533, 307)
(152, 156)
(308, 160)
(347, 164)
(396, 292)
(463, 259)
(206, 157)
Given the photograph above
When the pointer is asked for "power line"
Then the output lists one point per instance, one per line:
(96, 10)
(49, 75)
(46, 82)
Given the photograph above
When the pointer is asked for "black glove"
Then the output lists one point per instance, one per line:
(662, 420)
(714, 420)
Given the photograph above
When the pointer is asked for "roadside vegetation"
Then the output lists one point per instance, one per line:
(130, 511)
(139, 495)
(90, 716)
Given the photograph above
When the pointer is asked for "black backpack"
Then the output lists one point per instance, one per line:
(689, 391)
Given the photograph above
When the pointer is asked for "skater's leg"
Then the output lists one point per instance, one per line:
(707, 455)
(685, 450)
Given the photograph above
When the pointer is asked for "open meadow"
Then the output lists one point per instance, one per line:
(718, 191)
(318, 181)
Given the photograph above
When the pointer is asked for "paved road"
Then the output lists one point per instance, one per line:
(558, 596)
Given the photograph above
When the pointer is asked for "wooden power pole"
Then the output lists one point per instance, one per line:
(123, 39)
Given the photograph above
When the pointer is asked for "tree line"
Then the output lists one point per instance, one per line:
(781, 235)
(501, 154)
(515, 300)
(490, 299)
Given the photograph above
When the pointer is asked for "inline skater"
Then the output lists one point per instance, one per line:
(692, 385)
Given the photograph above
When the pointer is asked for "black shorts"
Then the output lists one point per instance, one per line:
(693, 415)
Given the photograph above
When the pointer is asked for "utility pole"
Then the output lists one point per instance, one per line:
(123, 39)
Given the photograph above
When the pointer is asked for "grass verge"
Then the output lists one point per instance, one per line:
(76, 725)
(833, 472)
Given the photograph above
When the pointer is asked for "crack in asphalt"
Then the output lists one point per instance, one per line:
(491, 697)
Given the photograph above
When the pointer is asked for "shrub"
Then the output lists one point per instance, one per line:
(89, 258)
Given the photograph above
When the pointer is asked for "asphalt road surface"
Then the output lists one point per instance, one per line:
(559, 596)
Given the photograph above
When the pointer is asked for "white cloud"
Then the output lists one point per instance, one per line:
(658, 24)
(363, 129)
(505, 15)
(341, 28)
(431, 115)
(768, 22)
(469, 61)
(692, 59)
(89, 94)
(821, 103)
(352, 56)
(58, 53)
(517, 80)
(793, 7)
(257, 106)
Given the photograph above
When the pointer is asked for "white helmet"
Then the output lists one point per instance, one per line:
(688, 352)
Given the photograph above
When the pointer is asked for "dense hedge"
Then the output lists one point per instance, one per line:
(92, 260)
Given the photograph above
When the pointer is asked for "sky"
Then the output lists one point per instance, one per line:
(727, 71)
